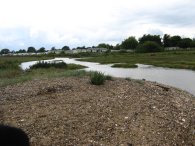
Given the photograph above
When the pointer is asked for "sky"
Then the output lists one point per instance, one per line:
(56, 23)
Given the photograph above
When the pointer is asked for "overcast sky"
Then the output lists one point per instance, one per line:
(49, 23)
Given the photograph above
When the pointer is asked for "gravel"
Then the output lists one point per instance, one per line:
(72, 112)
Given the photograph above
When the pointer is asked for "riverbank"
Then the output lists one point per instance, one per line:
(71, 111)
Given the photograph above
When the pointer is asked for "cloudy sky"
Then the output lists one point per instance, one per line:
(49, 23)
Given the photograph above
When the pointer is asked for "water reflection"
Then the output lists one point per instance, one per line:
(180, 78)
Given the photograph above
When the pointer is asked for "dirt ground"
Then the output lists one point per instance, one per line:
(72, 112)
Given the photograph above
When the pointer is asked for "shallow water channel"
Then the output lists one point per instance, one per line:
(180, 78)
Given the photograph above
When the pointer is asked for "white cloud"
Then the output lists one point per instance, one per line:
(89, 22)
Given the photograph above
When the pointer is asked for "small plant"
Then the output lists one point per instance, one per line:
(98, 78)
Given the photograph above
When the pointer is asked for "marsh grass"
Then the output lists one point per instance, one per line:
(75, 66)
(170, 59)
(43, 64)
(124, 65)
(11, 73)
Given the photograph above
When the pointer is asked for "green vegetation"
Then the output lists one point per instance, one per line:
(31, 50)
(149, 46)
(129, 43)
(42, 64)
(11, 73)
(124, 65)
(97, 78)
(9, 66)
(59, 65)
(150, 38)
(171, 59)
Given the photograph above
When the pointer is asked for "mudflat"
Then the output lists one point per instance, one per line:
(72, 112)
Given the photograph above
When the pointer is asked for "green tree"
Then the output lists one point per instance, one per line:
(83, 47)
(31, 50)
(42, 49)
(193, 43)
(129, 43)
(149, 46)
(103, 45)
(185, 43)
(53, 48)
(5, 51)
(153, 38)
(175, 40)
(167, 40)
(117, 47)
(65, 48)
(21, 51)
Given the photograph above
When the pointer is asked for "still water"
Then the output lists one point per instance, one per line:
(180, 78)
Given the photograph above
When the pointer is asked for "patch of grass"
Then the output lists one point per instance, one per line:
(171, 59)
(42, 64)
(97, 78)
(9, 65)
(61, 65)
(11, 73)
(12, 81)
(75, 66)
(124, 65)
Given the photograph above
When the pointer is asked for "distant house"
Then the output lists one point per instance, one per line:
(92, 50)
(97, 50)
(79, 50)
(56, 51)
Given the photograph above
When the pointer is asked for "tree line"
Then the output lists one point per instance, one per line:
(146, 43)
(154, 43)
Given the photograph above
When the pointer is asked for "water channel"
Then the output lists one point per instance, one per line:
(180, 78)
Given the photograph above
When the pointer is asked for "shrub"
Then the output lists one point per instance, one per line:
(97, 78)
(42, 64)
(149, 46)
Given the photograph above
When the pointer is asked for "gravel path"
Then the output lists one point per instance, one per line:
(72, 112)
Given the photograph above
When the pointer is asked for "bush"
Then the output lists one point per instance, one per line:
(149, 46)
(42, 64)
(98, 78)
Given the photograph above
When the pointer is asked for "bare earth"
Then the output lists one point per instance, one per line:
(72, 112)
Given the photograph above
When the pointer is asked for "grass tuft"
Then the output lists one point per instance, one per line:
(97, 78)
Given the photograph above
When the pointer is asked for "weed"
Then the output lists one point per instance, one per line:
(97, 78)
